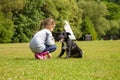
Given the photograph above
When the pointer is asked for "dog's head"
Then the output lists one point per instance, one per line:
(64, 36)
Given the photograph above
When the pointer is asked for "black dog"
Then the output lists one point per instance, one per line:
(69, 46)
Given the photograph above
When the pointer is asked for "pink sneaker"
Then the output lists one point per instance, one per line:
(44, 57)
(38, 56)
(46, 53)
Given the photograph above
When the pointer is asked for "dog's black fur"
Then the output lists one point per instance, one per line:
(71, 49)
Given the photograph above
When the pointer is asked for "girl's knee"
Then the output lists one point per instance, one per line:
(55, 47)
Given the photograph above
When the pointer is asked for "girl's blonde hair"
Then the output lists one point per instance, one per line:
(46, 23)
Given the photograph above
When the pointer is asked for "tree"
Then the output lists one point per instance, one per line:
(6, 23)
(62, 10)
(96, 11)
(114, 28)
(88, 28)
(96, 17)
(113, 1)
(6, 29)
(27, 20)
(114, 11)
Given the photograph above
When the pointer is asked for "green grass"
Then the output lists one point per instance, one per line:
(101, 61)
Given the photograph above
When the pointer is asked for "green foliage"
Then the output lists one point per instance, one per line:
(88, 28)
(27, 21)
(102, 26)
(114, 29)
(64, 10)
(114, 11)
(11, 5)
(7, 24)
(113, 1)
(49, 8)
(25, 17)
(6, 29)
(96, 11)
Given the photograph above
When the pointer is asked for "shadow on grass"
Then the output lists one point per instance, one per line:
(24, 59)
(54, 58)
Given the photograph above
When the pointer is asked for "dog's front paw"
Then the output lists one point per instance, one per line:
(67, 57)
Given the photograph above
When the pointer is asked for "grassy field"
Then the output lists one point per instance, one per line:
(101, 61)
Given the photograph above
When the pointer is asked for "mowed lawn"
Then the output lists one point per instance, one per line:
(101, 61)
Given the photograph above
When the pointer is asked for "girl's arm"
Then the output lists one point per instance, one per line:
(50, 39)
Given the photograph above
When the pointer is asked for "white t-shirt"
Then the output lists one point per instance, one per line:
(42, 38)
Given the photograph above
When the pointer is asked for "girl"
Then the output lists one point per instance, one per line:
(42, 43)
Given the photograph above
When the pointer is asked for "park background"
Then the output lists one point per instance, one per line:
(20, 19)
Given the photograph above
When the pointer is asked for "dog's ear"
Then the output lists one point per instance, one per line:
(68, 33)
